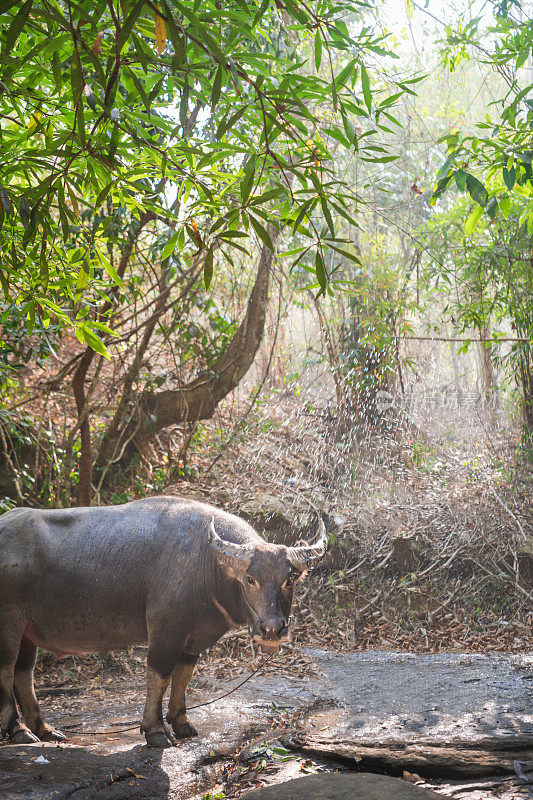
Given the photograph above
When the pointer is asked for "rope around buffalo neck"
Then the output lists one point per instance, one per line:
(75, 729)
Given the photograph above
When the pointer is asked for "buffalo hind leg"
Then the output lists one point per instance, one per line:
(11, 724)
(177, 710)
(25, 693)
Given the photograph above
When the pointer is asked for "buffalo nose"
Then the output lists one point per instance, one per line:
(272, 629)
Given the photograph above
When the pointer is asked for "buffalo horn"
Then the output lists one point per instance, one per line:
(230, 553)
(306, 555)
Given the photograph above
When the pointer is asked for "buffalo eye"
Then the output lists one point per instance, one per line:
(250, 580)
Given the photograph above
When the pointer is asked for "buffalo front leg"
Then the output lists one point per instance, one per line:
(11, 724)
(177, 710)
(25, 693)
(157, 733)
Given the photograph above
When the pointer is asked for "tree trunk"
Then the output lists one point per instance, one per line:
(199, 398)
(527, 388)
(78, 381)
(488, 375)
(86, 456)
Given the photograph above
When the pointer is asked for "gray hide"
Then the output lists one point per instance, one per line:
(173, 573)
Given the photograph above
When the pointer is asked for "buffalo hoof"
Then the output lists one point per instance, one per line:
(184, 731)
(51, 735)
(158, 739)
(23, 736)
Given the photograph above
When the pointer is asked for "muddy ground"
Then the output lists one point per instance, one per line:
(461, 724)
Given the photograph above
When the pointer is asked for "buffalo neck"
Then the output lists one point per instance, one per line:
(230, 597)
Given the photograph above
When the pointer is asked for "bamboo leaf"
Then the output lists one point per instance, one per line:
(248, 179)
(217, 86)
(15, 29)
(129, 24)
(320, 271)
(318, 49)
(85, 334)
(208, 268)
(365, 82)
(170, 246)
(262, 233)
(160, 32)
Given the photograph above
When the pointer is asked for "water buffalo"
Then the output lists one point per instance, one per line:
(173, 573)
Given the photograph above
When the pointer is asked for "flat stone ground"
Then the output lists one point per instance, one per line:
(461, 724)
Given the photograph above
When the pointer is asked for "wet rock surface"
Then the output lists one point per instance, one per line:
(441, 715)
(449, 712)
(343, 787)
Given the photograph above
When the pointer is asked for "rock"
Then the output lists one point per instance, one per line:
(338, 786)
(456, 712)
(284, 520)
(269, 508)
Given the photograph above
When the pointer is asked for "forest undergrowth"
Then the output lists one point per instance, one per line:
(427, 523)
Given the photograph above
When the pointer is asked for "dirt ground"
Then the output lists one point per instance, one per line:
(458, 723)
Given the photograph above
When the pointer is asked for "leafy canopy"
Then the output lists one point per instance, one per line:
(218, 118)
(494, 166)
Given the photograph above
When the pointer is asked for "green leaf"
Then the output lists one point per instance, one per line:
(30, 317)
(102, 196)
(440, 188)
(214, 50)
(5, 285)
(217, 86)
(320, 271)
(327, 215)
(505, 205)
(109, 268)
(140, 89)
(178, 40)
(442, 173)
(262, 233)
(184, 103)
(248, 179)
(228, 123)
(261, 10)
(170, 246)
(318, 49)
(530, 223)
(19, 20)
(56, 70)
(208, 268)
(365, 82)
(476, 190)
(492, 208)
(5, 5)
(4, 199)
(460, 179)
(509, 177)
(129, 24)
(473, 219)
(85, 334)
(83, 277)
(344, 74)
(25, 212)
